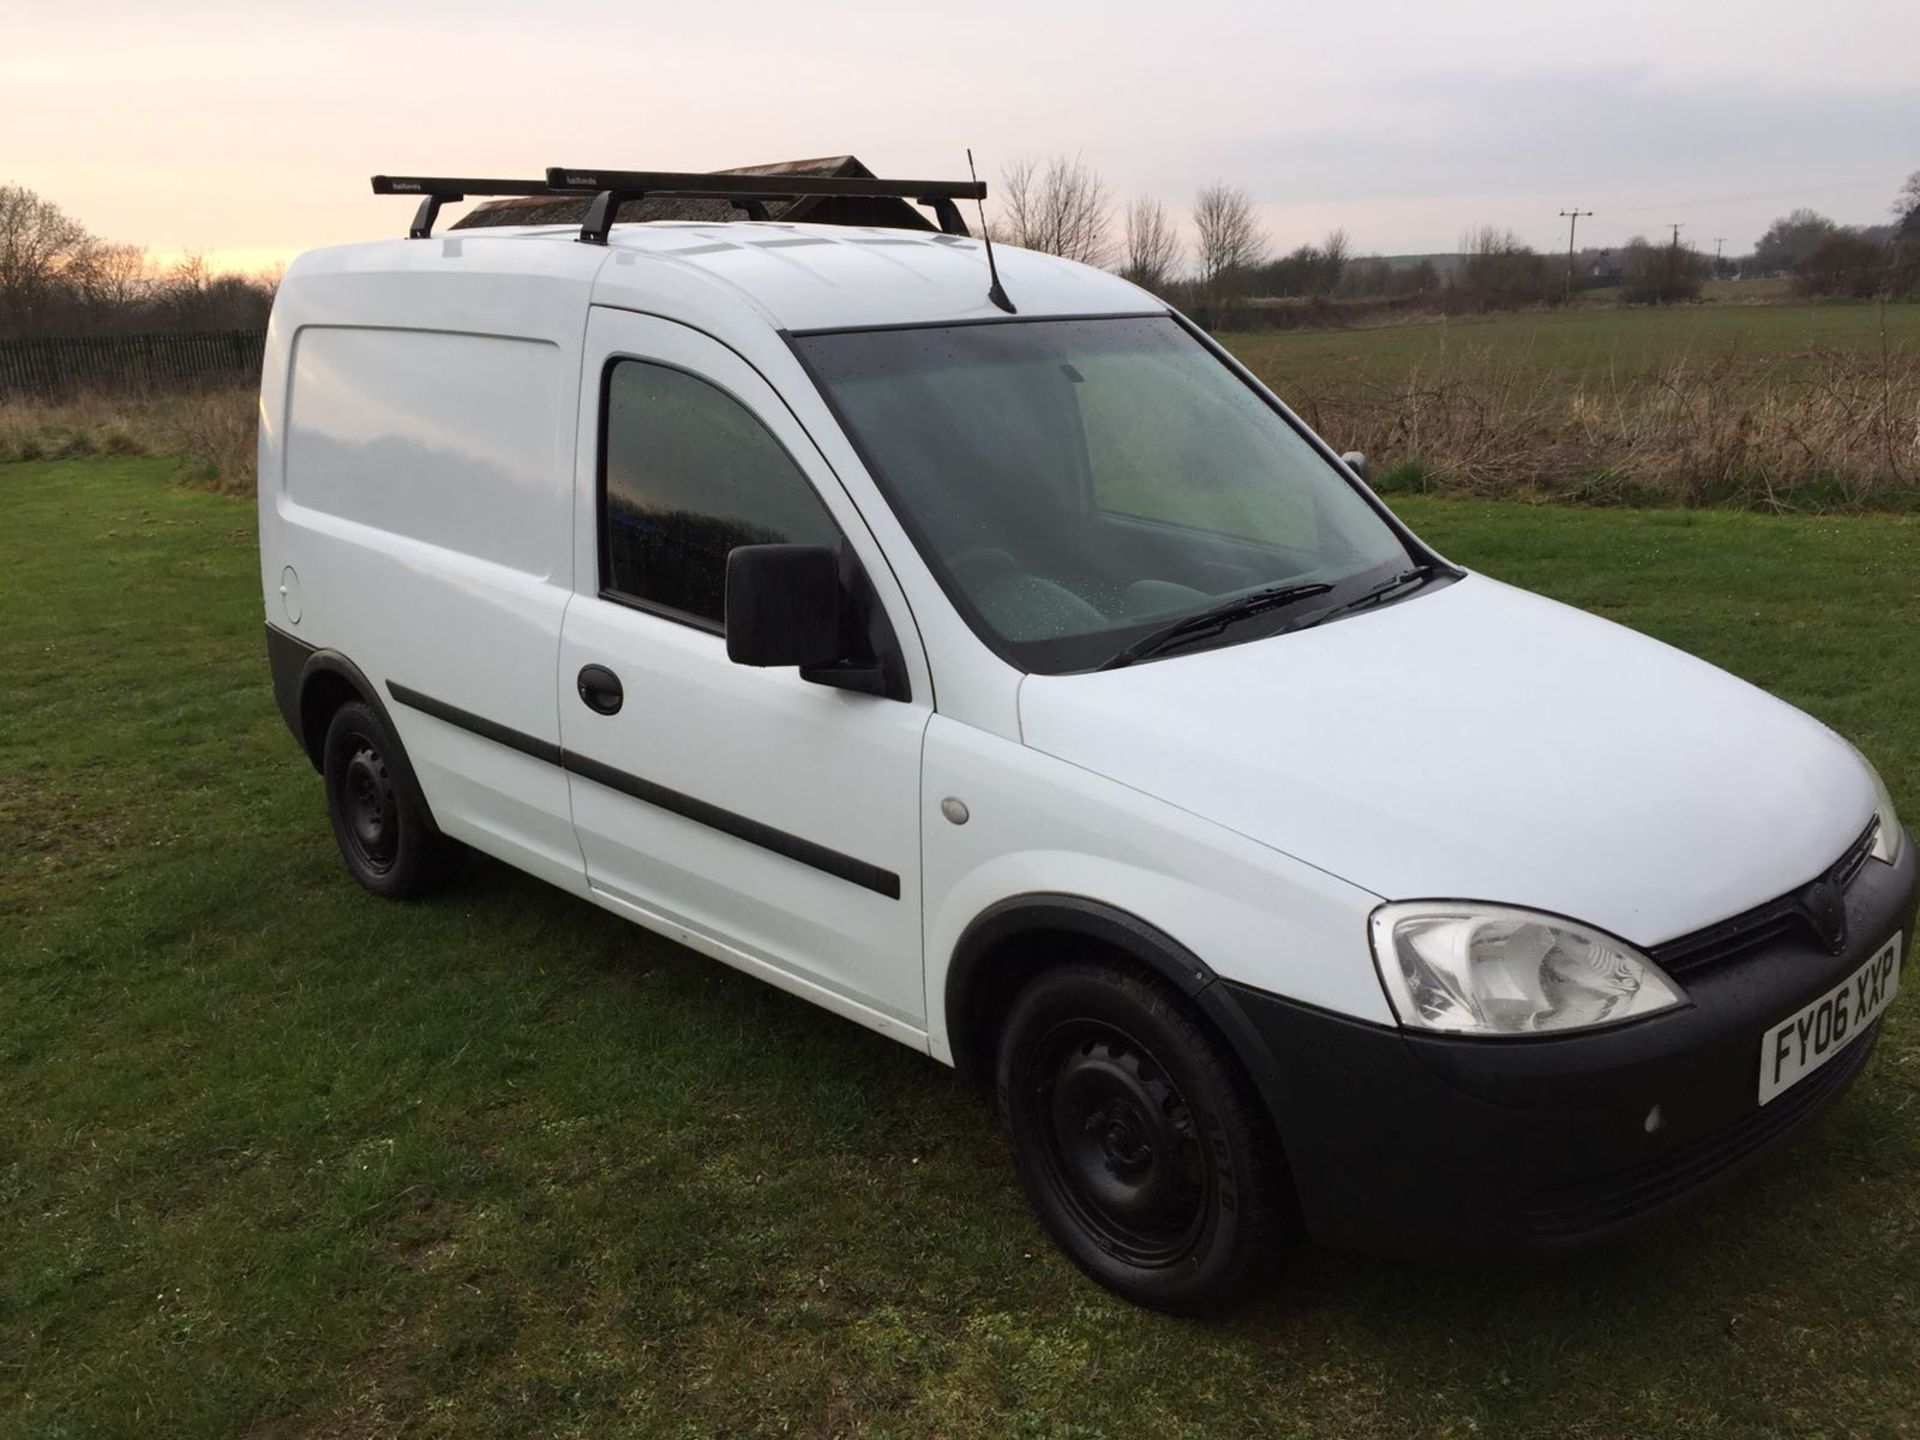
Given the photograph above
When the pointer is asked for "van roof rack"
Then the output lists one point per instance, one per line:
(437, 190)
(613, 188)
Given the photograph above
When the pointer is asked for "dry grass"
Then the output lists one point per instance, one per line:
(1812, 429)
(1829, 430)
(212, 432)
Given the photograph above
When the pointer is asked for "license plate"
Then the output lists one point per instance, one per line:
(1809, 1038)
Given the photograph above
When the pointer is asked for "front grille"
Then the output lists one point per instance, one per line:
(1567, 1211)
(1786, 916)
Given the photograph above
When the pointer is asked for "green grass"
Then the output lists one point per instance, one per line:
(1587, 344)
(1761, 290)
(279, 1159)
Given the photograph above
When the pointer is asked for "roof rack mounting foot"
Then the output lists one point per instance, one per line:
(429, 211)
(603, 212)
(947, 213)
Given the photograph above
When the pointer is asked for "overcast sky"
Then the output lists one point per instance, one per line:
(247, 130)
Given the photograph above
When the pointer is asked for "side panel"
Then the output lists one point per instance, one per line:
(438, 436)
(416, 501)
(1036, 825)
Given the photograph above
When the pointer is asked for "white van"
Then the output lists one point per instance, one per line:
(1015, 675)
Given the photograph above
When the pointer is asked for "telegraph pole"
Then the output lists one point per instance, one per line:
(1572, 217)
(1718, 264)
(1672, 283)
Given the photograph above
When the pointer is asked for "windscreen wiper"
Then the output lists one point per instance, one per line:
(1414, 575)
(1214, 620)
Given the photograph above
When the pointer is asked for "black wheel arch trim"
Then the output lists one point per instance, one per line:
(969, 980)
(296, 665)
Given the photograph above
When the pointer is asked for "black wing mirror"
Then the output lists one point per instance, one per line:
(784, 606)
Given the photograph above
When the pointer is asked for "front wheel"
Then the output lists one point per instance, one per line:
(1137, 1141)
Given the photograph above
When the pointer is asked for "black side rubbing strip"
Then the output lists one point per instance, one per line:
(843, 867)
(487, 729)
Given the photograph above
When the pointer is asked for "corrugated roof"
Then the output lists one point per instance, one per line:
(816, 209)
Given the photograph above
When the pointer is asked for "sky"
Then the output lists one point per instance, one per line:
(245, 131)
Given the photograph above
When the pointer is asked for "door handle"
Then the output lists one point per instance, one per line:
(600, 689)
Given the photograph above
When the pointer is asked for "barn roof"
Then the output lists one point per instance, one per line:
(880, 211)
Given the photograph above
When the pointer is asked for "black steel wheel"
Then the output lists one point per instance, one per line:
(1121, 1148)
(385, 835)
(371, 809)
(1137, 1140)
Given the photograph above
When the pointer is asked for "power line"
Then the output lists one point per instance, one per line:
(1798, 190)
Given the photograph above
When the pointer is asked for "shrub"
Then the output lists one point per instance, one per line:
(212, 431)
(1663, 274)
(1844, 264)
(1500, 272)
(1844, 434)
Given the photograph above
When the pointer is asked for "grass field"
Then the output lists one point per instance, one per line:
(1584, 345)
(1773, 407)
(278, 1159)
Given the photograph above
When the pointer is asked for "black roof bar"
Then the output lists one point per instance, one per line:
(437, 190)
(615, 188)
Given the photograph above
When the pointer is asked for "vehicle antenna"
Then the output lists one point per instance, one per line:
(994, 293)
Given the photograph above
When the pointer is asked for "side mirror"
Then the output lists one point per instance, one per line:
(784, 605)
(1357, 463)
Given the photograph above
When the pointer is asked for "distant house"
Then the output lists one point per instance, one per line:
(882, 211)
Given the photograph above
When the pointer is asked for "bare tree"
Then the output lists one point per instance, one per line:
(40, 247)
(58, 279)
(1850, 262)
(1335, 251)
(193, 297)
(1499, 271)
(1151, 245)
(1337, 247)
(1904, 275)
(112, 279)
(1906, 205)
(1790, 239)
(1060, 209)
(1230, 243)
(1662, 274)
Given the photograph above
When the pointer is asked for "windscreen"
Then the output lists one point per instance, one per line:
(1076, 484)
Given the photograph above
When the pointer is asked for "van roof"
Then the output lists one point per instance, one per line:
(797, 276)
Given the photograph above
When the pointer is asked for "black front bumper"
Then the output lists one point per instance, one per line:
(1415, 1144)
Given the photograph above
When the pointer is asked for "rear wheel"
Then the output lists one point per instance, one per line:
(1137, 1141)
(379, 819)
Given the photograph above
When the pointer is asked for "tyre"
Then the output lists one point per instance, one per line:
(1138, 1141)
(379, 819)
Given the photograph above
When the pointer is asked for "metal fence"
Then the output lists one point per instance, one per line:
(128, 362)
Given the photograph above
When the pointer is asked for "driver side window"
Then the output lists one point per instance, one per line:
(687, 474)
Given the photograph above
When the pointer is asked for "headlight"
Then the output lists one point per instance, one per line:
(1886, 834)
(1491, 970)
